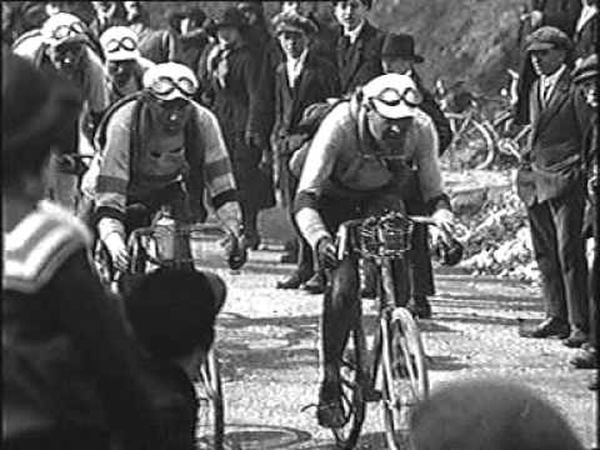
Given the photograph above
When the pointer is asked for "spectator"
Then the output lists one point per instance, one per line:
(551, 184)
(301, 80)
(398, 53)
(158, 46)
(189, 29)
(233, 82)
(21, 19)
(358, 45)
(107, 14)
(585, 78)
(62, 46)
(490, 414)
(71, 372)
(586, 30)
(173, 313)
(124, 64)
(561, 14)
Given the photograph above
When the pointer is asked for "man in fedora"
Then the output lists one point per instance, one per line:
(399, 56)
(551, 183)
(300, 81)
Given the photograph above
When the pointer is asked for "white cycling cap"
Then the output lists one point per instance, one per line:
(392, 95)
(168, 81)
(120, 44)
(63, 27)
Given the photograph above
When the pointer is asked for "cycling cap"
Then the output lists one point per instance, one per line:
(392, 95)
(120, 44)
(63, 27)
(169, 81)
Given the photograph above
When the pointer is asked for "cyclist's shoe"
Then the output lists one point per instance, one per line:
(316, 285)
(419, 307)
(330, 411)
(368, 292)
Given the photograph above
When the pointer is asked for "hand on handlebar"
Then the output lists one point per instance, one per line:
(118, 251)
(327, 253)
(236, 251)
(444, 221)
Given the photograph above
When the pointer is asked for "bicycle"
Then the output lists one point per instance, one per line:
(149, 249)
(397, 376)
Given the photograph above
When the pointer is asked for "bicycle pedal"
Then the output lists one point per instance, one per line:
(372, 395)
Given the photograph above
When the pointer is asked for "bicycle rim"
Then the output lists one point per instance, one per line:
(404, 372)
(211, 425)
(352, 380)
(476, 146)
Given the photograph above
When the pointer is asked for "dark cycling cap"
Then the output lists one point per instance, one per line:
(37, 108)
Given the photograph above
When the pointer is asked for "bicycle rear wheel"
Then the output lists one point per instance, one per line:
(210, 429)
(352, 378)
(405, 381)
(473, 145)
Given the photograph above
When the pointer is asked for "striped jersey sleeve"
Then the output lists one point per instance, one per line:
(113, 177)
(218, 172)
(37, 247)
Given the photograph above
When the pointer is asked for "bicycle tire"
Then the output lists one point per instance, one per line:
(404, 371)
(352, 378)
(478, 143)
(210, 429)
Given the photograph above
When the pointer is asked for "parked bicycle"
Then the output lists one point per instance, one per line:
(393, 372)
(158, 246)
(479, 141)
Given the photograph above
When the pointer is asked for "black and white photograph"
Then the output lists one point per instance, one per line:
(300, 225)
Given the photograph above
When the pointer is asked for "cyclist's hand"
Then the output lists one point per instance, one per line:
(444, 220)
(118, 251)
(237, 253)
(327, 253)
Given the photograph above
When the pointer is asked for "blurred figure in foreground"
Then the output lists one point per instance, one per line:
(491, 415)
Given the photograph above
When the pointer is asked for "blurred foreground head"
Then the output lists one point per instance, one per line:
(39, 114)
(491, 415)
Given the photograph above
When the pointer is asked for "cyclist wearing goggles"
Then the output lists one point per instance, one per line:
(124, 64)
(367, 156)
(63, 46)
(159, 148)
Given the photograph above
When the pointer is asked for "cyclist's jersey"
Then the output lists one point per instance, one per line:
(138, 158)
(344, 161)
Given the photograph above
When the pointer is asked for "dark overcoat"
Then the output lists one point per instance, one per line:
(359, 62)
(586, 38)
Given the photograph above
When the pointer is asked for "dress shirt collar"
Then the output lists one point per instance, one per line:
(294, 67)
(353, 34)
(548, 82)
(587, 12)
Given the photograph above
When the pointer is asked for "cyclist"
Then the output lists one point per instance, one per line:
(365, 158)
(124, 64)
(71, 372)
(62, 46)
(158, 147)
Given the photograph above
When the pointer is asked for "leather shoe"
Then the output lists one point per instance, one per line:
(368, 292)
(576, 339)
(316, 285)
(587, 359)
(293, 282)
(548, 328)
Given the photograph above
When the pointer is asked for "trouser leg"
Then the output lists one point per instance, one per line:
(543, 236)
(594, 294)
(421, 271)
(340, 312)
(567, 214)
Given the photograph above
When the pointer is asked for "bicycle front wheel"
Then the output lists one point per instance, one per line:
(352, 377)
(405, 380)
(210, 428)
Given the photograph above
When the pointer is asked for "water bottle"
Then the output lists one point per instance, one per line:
(165, 234)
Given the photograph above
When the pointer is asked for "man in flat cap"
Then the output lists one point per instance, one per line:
(551, 183)
(301, 80)
(585, 78)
